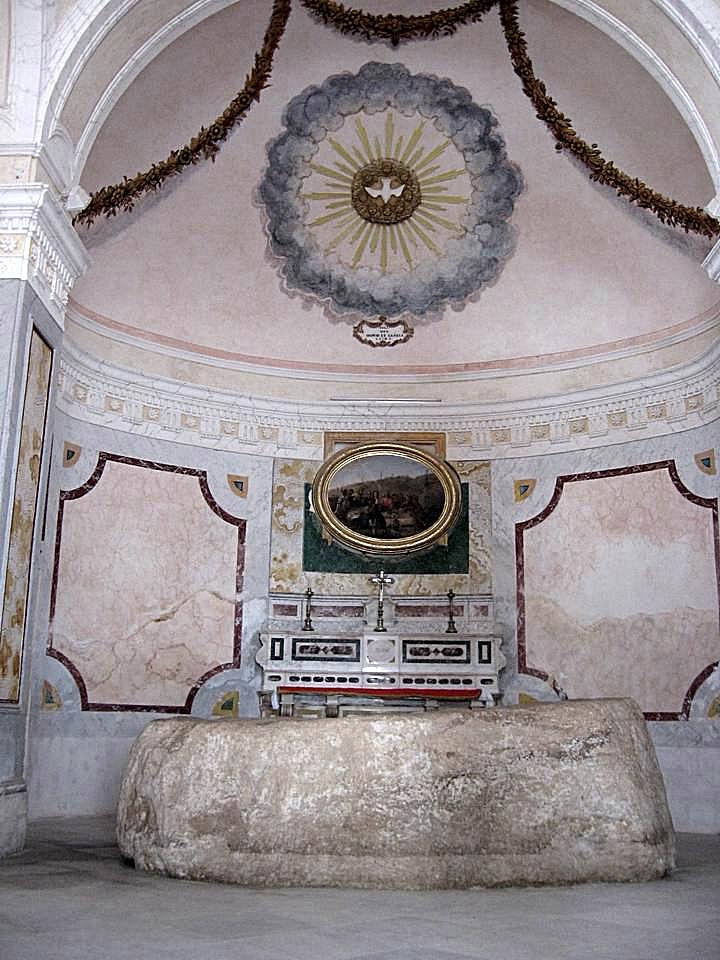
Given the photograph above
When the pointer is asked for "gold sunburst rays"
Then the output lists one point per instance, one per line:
(383, 192)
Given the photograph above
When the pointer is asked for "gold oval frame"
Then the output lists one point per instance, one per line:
(375, 546)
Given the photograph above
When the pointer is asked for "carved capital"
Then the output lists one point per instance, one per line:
(38, 243)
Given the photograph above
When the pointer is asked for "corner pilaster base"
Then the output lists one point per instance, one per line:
(13, 817)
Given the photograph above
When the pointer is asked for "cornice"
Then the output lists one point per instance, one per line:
(38, 244)
(98, 392)
(141, 339)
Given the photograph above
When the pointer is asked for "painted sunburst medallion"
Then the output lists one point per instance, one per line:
(383, 198)
(389, 193)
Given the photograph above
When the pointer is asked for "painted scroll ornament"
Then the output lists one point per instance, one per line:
(389, 193)
(382, 333)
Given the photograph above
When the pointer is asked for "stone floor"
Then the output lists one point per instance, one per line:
(68, 896)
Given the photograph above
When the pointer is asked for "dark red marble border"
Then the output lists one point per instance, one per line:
(520, 528)
(684, 714)
(429, 609)
(285, 609)
(337, 610)
(75, 494)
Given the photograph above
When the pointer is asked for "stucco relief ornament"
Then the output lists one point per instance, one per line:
(388, 195)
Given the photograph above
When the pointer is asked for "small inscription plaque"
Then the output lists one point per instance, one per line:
(383, 332)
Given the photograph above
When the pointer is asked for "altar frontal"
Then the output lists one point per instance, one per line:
(538, 794)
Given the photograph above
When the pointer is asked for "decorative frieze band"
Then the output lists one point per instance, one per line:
(98, 392)
(38, 243)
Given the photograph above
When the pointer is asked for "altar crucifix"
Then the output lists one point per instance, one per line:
(381, 580)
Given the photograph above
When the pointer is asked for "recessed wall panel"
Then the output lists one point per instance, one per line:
(17, 575)
(148, 571)
(620, 588)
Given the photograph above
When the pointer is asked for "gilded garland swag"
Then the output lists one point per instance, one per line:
(396, 28)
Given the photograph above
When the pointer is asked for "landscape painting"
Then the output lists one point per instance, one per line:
(386, 497)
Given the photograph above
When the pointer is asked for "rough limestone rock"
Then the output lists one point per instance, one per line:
(548, 793)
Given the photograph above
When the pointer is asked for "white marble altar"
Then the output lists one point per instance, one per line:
(337, 651)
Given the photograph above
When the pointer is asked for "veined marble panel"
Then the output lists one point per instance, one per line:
(4, 50)
(286, 546)
(148, 573)
(618, 588)
(17, 576)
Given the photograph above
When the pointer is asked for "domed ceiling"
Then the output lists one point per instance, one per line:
(413, 183)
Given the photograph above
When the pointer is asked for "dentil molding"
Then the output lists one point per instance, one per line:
(98, 392)
(39, 244)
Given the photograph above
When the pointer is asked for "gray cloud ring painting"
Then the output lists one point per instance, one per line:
(389, 193)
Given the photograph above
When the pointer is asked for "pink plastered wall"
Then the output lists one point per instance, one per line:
(620, 585)
(145, 586)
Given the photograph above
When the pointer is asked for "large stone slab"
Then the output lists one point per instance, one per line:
(550, 793)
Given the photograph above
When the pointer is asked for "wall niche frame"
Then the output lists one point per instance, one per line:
(386, 498)
(433, 442)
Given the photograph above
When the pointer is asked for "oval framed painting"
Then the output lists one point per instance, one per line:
(386, 499)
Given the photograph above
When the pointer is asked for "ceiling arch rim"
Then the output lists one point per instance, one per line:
(632, 43)
(685, 15)
(62, 72)
(151, 48)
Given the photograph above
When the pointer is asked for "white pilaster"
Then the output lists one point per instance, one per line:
(39, 252)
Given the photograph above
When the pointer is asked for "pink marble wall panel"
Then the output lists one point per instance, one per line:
(145, 585)
(621, 590)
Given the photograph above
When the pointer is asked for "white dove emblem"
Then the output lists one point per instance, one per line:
(386, 191)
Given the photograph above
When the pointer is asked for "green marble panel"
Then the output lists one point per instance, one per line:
(319, 556)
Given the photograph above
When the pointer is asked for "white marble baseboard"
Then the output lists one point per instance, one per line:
(13, 817)
(692, 783)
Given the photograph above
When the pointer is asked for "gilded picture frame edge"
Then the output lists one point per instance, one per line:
(370, 546)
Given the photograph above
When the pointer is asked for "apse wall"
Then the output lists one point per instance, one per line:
(202, 368)
(159, 556)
